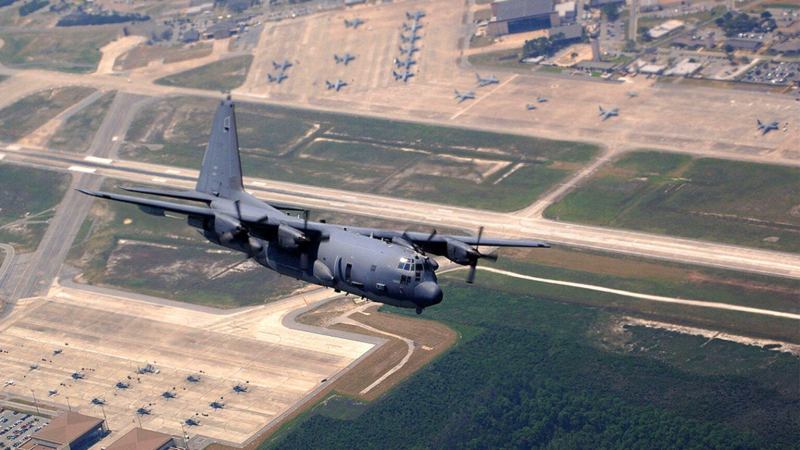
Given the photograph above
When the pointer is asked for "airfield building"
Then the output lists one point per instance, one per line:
(69, 431)
(518, 16)
(141, 439)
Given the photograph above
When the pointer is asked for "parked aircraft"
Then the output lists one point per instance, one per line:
(404, 63)
(278, 79)
(765, 128)
(413, 37)
(410, 50)
(336, 85)
(606, 114)
(491, 79)
(387, 266)
(282, 66)
(355, 23)
(415, 15)
(461, 96)
(530, 107)
(344, 59)
(413, 27)
(404, 75)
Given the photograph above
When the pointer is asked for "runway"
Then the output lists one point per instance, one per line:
(681, 250)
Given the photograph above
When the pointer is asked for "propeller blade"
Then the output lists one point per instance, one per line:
(433, 234)
(305, 220)
(472, 269)
(490, 256)
(480, 233)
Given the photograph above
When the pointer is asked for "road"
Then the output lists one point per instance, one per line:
(681, 250)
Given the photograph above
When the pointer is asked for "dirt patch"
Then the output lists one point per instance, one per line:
(698, 277)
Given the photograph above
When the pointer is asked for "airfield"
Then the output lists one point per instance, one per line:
(107, 335)
(107, 339)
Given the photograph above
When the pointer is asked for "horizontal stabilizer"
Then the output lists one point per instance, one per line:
(182, 195)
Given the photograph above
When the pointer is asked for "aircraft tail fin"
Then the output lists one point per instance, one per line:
(221, 173)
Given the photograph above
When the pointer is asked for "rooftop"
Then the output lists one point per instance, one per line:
(141, 439)
(67, 427)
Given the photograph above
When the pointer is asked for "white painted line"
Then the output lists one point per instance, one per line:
(115, 139)
(158, 180)
(258, 183)
(336, 204)
(444, 210)
(2, 155)
(173, 171)
(14, 147)
(96, 160)
(82, 169)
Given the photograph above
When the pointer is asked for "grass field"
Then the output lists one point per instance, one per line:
(27, 197)
(29, 113)
(68, 50)
(740, 203)
(438, 164)
(222, 75)
(655, 278)
(76, 134)
(535, 373)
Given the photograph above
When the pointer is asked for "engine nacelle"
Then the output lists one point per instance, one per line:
(226, 228)
(290, 238)
(460, 253)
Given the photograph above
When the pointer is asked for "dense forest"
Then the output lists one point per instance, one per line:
(528, 376)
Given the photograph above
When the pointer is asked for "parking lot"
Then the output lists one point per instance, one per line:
(779, 73)
(16, 427)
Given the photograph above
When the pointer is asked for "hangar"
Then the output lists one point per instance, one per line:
(69, 431)
(517, 16)
(141, 439)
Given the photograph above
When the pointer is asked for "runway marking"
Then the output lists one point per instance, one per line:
(82, 169)
(479, 99)
(2, 155)
(173, 172)
(158, 180)
(96, 160)
(14, 147)
(259, 183)
(652, 298)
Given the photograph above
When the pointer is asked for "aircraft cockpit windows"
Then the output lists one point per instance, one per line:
(405, 264)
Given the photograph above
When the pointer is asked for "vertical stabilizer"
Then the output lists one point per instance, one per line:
(221, 173)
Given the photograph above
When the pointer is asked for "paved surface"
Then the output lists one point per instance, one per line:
(508, 224)
(108, 337)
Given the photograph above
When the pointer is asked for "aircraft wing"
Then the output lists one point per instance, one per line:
(437, 243)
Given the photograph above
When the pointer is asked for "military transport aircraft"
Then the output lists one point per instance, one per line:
(282, 66)
(336, 85)
(608, 113)
(387, 266)
(412, 38)
(415, 15)
(410, 50)
(355, 23)
(413, 27)
(404, 75)
(404, 63)
(344, 59)
(491, 79)
(277, 78)
(765, 128)
(461, 96)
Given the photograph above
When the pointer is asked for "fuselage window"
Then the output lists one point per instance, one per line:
(373, 268)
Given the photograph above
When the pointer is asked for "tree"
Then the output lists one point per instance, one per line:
(611, 11)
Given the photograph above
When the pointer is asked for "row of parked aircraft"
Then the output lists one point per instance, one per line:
(402, 65)
(281, 74)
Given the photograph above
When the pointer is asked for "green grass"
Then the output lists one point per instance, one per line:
(222, 75)
(655, 278)
(400, 159)
(74, 50)
(718, 200)
(27, 192)
(29, 113)
(544, 374)
(76, 134)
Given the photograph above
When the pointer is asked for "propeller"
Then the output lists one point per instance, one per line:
(473, 264)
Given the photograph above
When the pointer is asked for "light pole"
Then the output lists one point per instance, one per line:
(36, 403)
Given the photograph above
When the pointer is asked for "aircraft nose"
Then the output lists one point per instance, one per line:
(428, 293)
